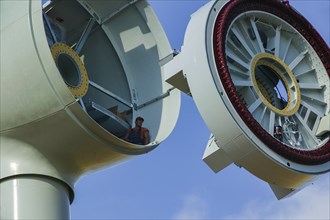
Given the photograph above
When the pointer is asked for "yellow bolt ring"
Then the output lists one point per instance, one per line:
(81, 89)
(281, 69)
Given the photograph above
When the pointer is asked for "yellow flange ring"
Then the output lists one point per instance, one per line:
(285, 75)
(71, 68)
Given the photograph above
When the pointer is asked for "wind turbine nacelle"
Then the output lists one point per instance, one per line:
(259, 75)
(74, 76)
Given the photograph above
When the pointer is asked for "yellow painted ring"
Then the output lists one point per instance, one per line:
(81, 88)
(286, 76)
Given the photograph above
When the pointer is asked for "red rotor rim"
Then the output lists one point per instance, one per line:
(227, 14)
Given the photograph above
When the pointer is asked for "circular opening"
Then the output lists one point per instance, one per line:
(69, 70)
(271, 86)
(275, 84)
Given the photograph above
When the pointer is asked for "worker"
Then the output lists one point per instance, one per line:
(138, 134)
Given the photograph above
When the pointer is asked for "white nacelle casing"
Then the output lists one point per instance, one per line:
(44, 130)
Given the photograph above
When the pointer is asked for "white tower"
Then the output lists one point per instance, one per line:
(74, 76)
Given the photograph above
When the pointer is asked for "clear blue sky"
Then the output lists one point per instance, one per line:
(172, 182)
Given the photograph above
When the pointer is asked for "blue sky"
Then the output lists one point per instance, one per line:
(172, 182)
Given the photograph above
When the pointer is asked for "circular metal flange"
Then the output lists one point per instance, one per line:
(250, 35)
(281, 72)
(72, 69)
